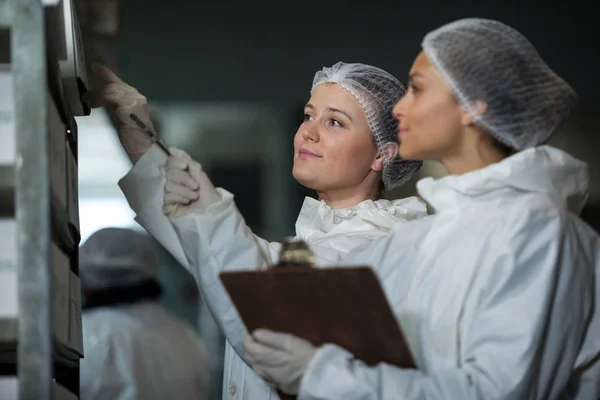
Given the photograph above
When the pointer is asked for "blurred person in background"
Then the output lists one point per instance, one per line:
(134, 349)
(345, 149)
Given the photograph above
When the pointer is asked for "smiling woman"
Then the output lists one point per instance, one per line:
(335, 153)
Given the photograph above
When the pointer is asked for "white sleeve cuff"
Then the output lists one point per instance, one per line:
(143, 185)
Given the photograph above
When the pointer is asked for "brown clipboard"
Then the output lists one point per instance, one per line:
(341, 305)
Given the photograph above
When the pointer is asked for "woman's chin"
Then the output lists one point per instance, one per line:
(408, 153)
(305, 179)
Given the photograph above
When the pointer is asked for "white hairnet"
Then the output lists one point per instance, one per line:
(114, 257)
(491, 62)
(376, 92)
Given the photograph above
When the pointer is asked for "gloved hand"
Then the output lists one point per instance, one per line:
(125, 100)
(280, 359)
(188, 189)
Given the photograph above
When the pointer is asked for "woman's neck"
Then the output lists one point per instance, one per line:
(344, 198)
(476, 155)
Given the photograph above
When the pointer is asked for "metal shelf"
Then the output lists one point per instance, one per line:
(7, 191)
(26, 196)
(8, 332)
(66, 372)
(64, 234)
(62, 355)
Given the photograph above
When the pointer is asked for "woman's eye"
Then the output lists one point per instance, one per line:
(414, 89)
(306, 118)
(336, 123)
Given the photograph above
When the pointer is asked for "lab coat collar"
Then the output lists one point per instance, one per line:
(317, 218)
(543, 169)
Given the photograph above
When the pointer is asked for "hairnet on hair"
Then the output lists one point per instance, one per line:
(489, 62)
(376, 91)
(114, 257)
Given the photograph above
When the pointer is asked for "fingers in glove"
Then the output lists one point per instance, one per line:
(187, 157)
(181, 190)
(261, 370)
(276, 340)
(113, 94)
(181, 154)
(251, 347)
(182, 177)
(196, 172)
(260, 354)
(175, 162)
(194, 168)
(105, 73)
(249, 355)
(175, 199)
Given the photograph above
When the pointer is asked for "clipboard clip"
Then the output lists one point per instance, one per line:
(295, 253)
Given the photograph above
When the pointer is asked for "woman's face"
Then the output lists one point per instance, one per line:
(334, 147)
(431, 121)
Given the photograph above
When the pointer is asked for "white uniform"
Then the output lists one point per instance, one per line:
(219, 239)
(494, 293)
(140, 351)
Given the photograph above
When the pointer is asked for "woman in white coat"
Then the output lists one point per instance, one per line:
(497, 294)
(345, 149)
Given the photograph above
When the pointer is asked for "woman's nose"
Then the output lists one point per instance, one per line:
(399, 108)
(311, 132)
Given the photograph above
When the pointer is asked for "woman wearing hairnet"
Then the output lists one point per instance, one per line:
(134, 349)
(502, 294)
(345, 149)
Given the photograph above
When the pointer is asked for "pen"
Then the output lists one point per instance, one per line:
(152, 135)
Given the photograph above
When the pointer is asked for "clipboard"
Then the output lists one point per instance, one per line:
(341, 305)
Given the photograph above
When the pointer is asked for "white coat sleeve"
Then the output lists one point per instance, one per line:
(216, 241)
(521, 346)
(205, 244)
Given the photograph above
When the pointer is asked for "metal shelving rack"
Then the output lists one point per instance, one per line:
(29, 350)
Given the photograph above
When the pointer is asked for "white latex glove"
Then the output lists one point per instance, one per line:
(188, 189)
(124, 99)
(280, 359)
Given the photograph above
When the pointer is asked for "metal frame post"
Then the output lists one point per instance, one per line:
(32, 200)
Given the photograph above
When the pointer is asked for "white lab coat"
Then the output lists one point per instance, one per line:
(494, 293)
(140, 351)
(218, 239)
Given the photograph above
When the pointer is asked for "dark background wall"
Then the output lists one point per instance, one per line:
(222, 52)
(194, 50)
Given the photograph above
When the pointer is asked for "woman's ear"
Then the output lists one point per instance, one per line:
(479, 108)
(377, 164)
(387, 153)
